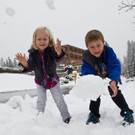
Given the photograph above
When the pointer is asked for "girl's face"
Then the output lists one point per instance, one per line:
(96, 47)
(42, 40)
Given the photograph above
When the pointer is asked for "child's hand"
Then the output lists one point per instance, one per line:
(114, 88)
(58, 47)
(21, 58)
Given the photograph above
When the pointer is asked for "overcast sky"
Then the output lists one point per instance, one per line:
(68, 20)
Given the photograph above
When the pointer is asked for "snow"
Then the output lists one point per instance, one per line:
(11, 82)
(89, 87)
(50, 4)
(19, 115)
(10, 11)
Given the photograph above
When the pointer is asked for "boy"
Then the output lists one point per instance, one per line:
(101, 60)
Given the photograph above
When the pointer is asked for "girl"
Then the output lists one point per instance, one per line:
(42, 57)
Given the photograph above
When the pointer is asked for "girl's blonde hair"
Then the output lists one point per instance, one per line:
(48, 32)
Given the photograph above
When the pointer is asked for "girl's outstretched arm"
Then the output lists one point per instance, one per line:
(58, 47)
(22, 59)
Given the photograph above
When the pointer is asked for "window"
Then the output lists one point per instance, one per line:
(71, 55)
(75, 49)
(65, 49)
(71, 49)
(66, 56)
(76, 57)
(79, 51)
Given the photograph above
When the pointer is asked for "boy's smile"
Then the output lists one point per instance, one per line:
(96, 47)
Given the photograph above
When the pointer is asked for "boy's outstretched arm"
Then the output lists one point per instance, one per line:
(21, 58)
(114, 88)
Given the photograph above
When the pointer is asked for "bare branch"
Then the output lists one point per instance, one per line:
(128, 6)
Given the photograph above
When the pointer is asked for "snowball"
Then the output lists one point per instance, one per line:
(15, 102)
(89, 86)
(50, 3)
(10, 11)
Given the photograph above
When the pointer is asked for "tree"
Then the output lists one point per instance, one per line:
(124, 66)
(2, 62)
(8, 62)
(128, 66)
(15, 63)
(127, 6)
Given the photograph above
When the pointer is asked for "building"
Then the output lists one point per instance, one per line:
(73, 55)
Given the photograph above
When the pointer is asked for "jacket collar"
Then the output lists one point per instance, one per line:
(32, 50)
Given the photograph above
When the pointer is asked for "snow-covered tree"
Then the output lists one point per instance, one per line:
(8, 62)
(128, 5)
(124, 66)
(15, 64)
(2, 63)
(128, 66)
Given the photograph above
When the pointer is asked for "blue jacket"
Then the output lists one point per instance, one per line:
(110, 60)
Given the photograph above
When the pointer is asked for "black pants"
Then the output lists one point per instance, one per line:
(119, 100)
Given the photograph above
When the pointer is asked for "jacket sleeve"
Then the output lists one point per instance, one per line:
(55, 56)
(86, 69)
(61, 57)
(31, 65)
(113, 66)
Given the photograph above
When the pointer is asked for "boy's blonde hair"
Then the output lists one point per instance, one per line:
(93, 35)
(48, 32)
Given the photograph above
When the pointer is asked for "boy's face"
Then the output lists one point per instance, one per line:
(96, 47)
(42, 40)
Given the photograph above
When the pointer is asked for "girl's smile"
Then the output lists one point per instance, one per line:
(42, 40)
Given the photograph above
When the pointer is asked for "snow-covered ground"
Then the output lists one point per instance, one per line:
(18, 115)
(12, 82)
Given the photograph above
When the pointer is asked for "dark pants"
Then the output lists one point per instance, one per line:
(119, 100)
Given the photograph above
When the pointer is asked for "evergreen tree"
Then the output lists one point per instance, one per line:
(128, 66)
(15, 63)
(10, 63)
(2, 62)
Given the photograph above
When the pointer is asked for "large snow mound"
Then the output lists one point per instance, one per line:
(89, 86)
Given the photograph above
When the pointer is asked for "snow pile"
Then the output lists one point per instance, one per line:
(15, 102)
(10, 11)
(50, 4)
(90, 87)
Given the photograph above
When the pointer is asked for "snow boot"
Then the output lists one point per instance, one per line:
(128, 118)
(92, 118)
